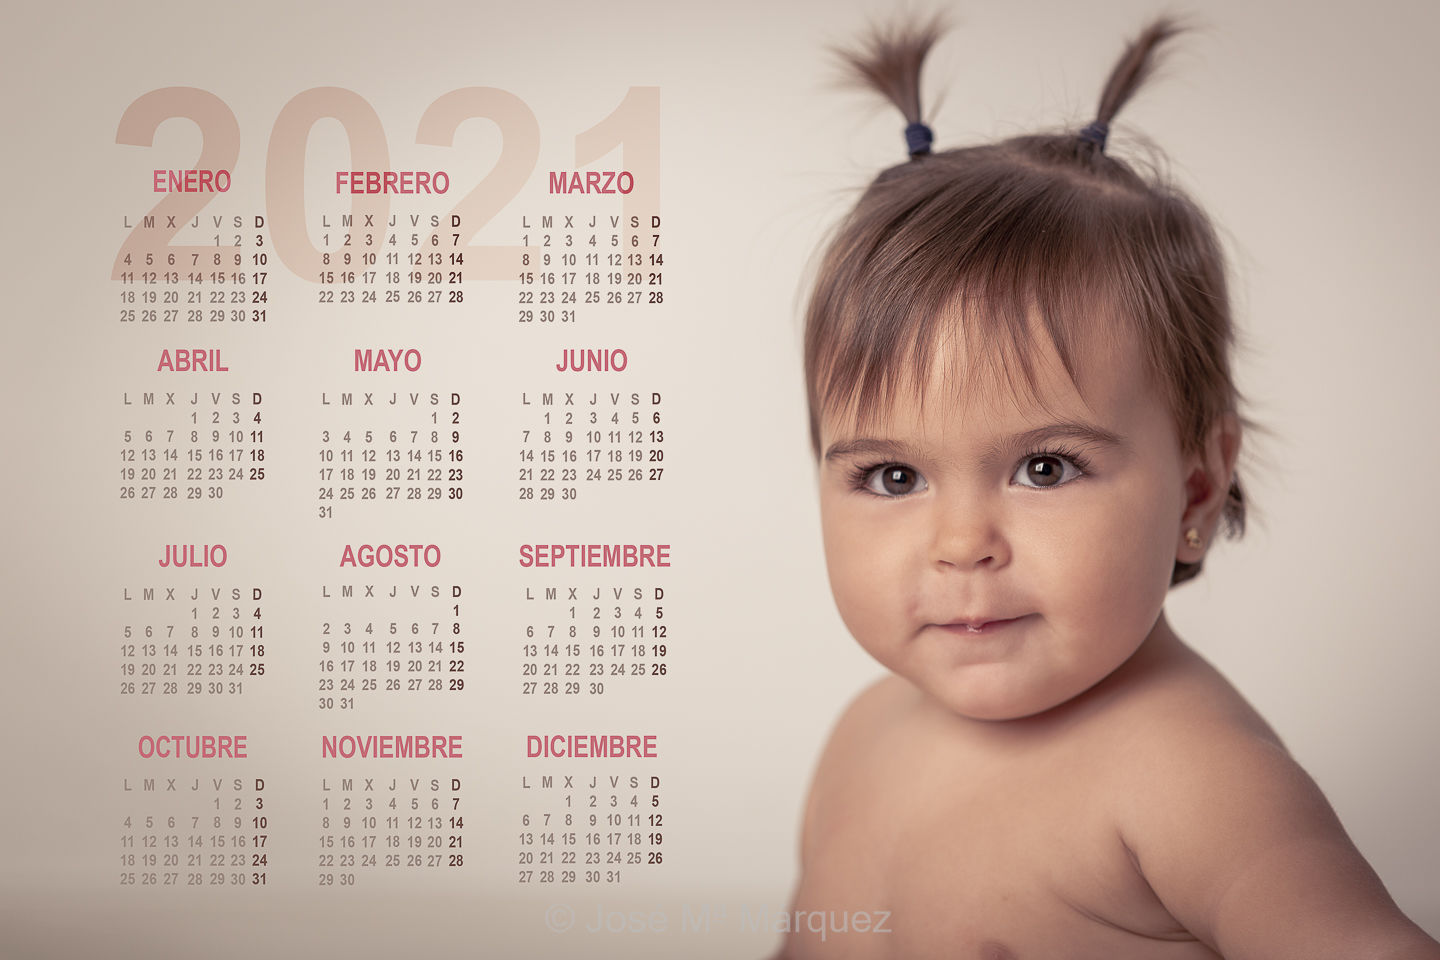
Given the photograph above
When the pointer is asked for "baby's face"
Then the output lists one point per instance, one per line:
(1005, 553)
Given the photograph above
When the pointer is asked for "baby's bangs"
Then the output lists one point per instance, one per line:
(992, 280)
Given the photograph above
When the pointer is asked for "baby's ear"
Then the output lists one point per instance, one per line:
(1207, 484)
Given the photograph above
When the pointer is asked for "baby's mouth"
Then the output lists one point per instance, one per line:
(979, 625)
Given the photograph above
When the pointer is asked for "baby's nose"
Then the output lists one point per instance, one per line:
(969, 535)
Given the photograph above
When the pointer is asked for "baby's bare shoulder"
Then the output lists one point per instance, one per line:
(1196, 743)
(863, 728)
(1231, 833)
(867, 717)
(1185, 742)
(868, 722)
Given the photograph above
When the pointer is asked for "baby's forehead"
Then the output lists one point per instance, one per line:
(971, 370)
(979, 407)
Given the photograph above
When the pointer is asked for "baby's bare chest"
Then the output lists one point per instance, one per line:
(992, 864)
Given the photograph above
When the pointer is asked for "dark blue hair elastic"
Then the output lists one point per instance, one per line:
(918, 138)
(1096, 133)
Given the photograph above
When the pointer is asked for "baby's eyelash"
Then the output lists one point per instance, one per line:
(1059, 450)
(859, 475)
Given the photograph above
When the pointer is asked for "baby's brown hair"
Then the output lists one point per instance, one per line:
(1046, 228)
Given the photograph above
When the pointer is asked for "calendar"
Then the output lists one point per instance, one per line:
(411, 531)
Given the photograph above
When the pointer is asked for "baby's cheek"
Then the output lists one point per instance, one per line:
(1122, 586)
(864, 588)
(848, 584)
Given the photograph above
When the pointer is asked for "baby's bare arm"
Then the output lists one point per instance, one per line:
(862, 718)
(1243, 849)
(867, 717)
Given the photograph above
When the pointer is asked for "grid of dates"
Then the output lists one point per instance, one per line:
(406, 261)
(601, 439)
(412, 646)
(590, 829)
(577, 261)
(586, 642)
(389, 827)
(178, 286)
(195, 831)
(192, 445)
(390, 447)
(201, 641)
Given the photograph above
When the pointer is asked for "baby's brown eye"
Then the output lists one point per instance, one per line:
(895, 480)
(1045, 470)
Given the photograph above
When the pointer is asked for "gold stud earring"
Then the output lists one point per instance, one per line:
(1192, 538)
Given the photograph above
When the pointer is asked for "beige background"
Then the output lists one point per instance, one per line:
(1307, 135)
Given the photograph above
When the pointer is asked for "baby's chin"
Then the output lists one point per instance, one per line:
(995, 703)
(997, 712)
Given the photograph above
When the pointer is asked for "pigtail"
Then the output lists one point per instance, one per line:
(888, 61)
(1135, 66)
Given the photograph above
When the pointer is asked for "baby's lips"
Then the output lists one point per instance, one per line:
(979, 623)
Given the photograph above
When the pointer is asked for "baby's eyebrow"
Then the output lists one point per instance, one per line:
(867, 446)
(1067, 429)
